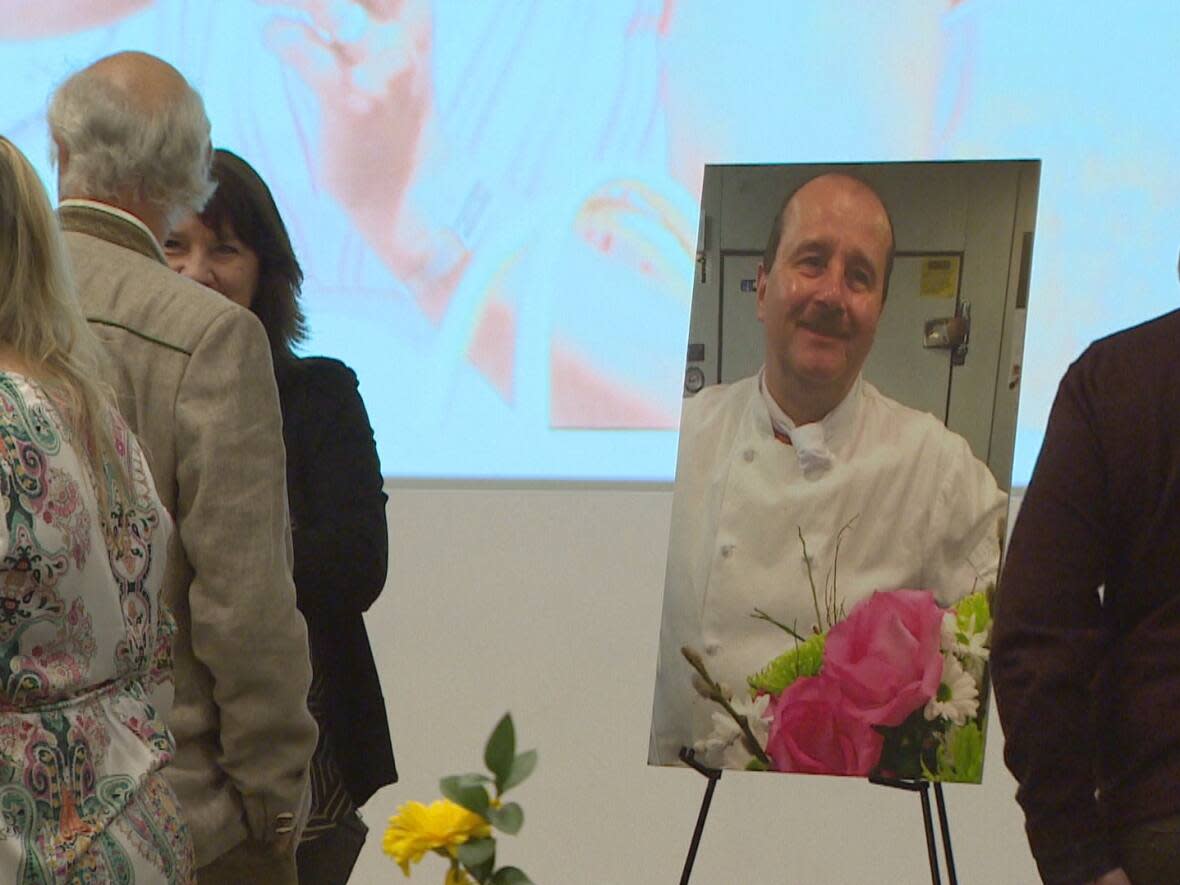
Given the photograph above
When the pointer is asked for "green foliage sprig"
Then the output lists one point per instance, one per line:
(459, 827)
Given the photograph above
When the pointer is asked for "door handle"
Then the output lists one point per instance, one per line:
(950, 333)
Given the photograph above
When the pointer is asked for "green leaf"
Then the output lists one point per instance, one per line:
(508, 817)
(482, 872)
(510, 876)
(470, 779)
(476, 851)
(500, 750)
(466, 790)
(522, 767)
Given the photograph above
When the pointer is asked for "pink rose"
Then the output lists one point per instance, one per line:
(885, 655)
(813, 732)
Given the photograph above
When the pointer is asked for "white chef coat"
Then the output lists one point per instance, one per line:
(925, 513)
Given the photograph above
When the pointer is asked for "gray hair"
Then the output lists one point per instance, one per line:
(116, 146)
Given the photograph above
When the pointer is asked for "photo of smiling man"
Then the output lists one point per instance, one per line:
(800, 491)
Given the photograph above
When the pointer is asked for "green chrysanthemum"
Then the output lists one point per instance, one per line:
(973, 614)
(804, 659)
(960, 758)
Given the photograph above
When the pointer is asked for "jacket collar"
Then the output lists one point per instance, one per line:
(111, 224)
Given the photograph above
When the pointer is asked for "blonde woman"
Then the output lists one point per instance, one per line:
(83, 637)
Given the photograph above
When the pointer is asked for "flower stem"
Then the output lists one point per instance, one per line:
(715, 694)
(819, 618)
(760, 615)
(833, 604)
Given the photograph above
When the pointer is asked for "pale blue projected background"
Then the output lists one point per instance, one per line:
(495, 203)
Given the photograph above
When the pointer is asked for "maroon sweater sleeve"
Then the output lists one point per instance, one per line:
(1050, 637)
(1087, 686)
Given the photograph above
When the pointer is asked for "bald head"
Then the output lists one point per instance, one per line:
(130, 131)
(827, 189)
(147, 82)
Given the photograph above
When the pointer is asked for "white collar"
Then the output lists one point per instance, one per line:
(814, 443)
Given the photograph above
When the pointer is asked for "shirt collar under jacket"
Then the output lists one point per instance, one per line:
(150, 248)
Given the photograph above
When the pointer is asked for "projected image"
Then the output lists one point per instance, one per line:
(489, 248)
(496, 204)
(845, 448)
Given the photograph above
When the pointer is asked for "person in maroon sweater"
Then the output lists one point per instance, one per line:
(1086, 644)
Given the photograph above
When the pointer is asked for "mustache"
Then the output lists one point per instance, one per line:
(824, 320)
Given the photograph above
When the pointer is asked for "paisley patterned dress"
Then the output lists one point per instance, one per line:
(83, 640)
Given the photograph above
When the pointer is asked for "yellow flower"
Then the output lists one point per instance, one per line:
(418, 828)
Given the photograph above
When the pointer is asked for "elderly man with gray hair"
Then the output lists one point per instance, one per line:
(193, 376)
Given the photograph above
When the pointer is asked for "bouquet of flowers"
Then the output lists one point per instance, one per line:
(459, 826)
(893, 688)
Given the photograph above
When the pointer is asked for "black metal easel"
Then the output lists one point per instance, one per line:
(923, 789)
(688, 757)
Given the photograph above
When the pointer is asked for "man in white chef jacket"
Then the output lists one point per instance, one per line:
(808, 447)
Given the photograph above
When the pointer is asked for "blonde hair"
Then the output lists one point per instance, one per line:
(41, 319)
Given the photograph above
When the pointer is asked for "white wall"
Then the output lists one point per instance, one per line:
(546, 602)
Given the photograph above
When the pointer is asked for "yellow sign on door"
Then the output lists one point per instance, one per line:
(940, 276)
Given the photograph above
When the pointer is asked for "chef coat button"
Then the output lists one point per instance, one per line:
(727, 550)
(748, 455)
(712, 648)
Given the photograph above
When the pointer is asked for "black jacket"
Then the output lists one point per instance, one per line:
(341, 550)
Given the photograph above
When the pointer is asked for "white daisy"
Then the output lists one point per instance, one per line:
(974, 656)
(970, 645)
(958, 696)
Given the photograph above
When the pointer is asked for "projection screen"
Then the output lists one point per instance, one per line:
(496, 203)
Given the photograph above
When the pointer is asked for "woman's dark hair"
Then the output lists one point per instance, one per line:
(243, 203)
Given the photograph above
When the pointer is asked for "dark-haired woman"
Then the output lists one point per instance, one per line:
(238, 245)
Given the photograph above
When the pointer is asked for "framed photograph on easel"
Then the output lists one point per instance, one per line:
(845, 451)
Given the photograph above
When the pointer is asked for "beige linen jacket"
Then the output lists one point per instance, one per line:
(193, 376)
